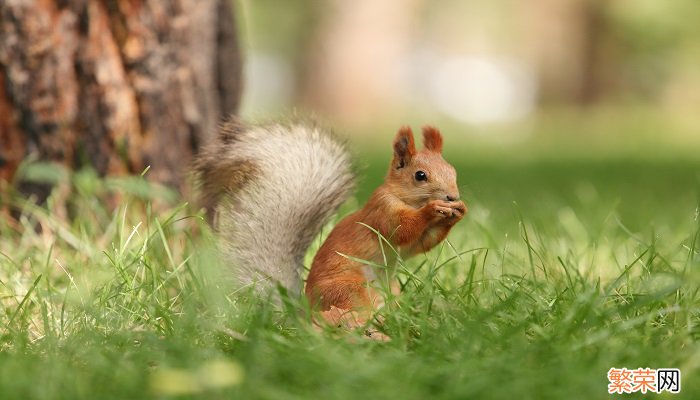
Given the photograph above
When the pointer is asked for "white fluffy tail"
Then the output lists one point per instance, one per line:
(273, 188)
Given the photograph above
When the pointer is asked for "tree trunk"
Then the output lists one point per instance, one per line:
(118, 85)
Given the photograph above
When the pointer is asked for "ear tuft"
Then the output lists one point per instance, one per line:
(404, 147)
(432, 139)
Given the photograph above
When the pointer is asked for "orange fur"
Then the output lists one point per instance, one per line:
(432, 139)
(414, 215)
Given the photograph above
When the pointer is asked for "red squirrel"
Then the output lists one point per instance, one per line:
(273, 187)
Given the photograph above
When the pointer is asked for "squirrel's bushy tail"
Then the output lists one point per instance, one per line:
(270, 189)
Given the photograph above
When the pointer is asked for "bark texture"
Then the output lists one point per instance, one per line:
(118, 85)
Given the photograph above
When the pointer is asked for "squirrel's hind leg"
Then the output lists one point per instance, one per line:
(351, 320)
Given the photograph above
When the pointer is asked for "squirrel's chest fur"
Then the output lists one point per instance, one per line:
(355, 239)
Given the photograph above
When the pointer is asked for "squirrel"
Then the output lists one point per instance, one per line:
(271, 188)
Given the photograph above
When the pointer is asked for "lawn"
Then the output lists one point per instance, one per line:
(568, 263)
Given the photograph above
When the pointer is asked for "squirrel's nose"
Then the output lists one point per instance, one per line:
(452, 197)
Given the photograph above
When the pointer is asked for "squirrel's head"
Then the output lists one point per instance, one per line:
(417, 177)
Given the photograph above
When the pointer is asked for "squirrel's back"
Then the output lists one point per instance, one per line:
(270, 189)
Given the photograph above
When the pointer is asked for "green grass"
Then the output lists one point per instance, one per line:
(563, 268)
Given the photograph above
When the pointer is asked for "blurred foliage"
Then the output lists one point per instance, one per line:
(280, 27)
(641, 50)
(655, 39)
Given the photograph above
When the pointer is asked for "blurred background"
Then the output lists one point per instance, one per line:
(585, 108)
(579, 107)
(489, 68)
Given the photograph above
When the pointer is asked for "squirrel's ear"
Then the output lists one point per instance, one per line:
(432, 139)
(404, 147)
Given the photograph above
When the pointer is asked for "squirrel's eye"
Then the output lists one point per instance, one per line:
(421, 176)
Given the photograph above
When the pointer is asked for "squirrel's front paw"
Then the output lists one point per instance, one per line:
(440, 209)
(459, 208)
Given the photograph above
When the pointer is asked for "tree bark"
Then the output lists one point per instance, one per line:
(118, 85)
